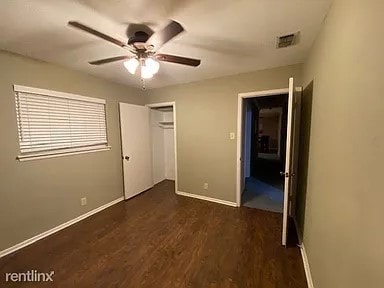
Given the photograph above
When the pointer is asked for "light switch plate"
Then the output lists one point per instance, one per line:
(232, 135)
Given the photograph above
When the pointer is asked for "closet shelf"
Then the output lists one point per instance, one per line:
(166, 124)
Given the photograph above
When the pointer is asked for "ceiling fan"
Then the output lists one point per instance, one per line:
(143, 49)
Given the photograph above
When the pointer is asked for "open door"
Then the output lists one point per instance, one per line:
(136, 149)
(290, 174)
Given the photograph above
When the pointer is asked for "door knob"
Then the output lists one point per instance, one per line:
(286, 174)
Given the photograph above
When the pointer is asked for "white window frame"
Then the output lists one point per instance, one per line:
(66, 151)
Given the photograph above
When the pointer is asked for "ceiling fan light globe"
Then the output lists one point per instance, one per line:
(152, 65)
(146, 72)
(131, 65)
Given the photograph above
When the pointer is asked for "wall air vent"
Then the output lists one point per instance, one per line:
(287, 40)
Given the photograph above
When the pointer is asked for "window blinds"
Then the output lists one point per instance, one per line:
(54, 121)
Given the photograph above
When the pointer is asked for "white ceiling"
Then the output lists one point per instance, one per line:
(229, 36)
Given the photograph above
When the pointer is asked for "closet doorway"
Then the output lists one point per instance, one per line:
(163, 140)
(148, 140)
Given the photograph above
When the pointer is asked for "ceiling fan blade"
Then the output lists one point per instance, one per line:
(92, 31)
(109, 60)
(178, 60)
(161, 37)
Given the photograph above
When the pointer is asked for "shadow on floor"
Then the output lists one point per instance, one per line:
(261, 195)
(268, 171)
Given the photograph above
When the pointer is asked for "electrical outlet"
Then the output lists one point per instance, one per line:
(83, 201)
(205, 186)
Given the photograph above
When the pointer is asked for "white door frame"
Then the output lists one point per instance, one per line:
(240, 112)
(173, 104)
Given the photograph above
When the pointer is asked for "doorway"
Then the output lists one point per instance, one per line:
(265, 152)
(291, 149)
(163, 143)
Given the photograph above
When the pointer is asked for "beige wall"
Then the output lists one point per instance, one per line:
(206, 113)
(344, 235)
(41, 194)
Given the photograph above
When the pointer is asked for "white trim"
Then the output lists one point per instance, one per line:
(240, 99)
(32, 90)
(224, 202)
(307, 268)
(304, 256)
(238, 149)
(173, 104)
(264, 93)
(134, 195)
(60, 153)
(159, 105)
(175, 140)
(57, 228)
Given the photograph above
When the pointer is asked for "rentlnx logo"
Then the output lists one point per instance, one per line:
(29, 276)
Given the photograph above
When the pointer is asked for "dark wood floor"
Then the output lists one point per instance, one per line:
(159, 239)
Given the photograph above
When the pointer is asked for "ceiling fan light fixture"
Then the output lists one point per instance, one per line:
(144, 48)
(152, 65)
(131, 65)
(146, 72)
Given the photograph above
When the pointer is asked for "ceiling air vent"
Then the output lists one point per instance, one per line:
(287, 40)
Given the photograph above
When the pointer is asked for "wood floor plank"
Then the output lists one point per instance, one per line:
(159, 239)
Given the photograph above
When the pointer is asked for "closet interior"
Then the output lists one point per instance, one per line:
(163, 143)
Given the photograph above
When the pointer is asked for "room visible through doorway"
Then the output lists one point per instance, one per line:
(265, 136)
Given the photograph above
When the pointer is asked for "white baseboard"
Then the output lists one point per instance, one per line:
(157, 182)
(307, 269)
(137, 194)
(306, 266)
(233, 204)
(57, 228)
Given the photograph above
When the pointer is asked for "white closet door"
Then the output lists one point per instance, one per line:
(136, 149)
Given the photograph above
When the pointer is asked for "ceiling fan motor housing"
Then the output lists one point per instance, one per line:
(139, 37)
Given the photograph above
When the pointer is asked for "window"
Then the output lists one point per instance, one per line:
(55, 123)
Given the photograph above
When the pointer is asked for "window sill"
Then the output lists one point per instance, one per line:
(67, 152)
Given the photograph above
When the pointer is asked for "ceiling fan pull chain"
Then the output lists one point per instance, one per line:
(142, 84)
